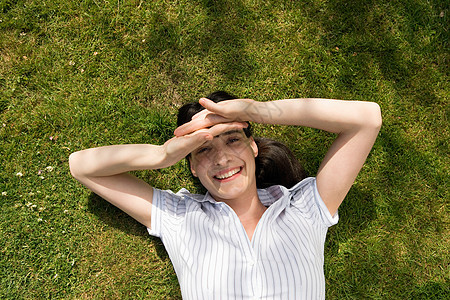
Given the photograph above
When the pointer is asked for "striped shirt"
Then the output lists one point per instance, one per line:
(214, 258)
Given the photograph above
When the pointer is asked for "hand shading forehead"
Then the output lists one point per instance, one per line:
(230, 132)
(223, 136)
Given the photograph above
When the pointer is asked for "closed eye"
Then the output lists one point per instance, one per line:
(233, 140)
(202, 150)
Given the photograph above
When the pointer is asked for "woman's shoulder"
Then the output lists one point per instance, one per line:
(306, 198)
(271, 194)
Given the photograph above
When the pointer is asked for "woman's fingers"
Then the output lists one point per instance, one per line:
(180, 146)
(201, 114)
(237, 109)
(208, 104)
(216, 113)
(192, 126)
(223, 108)
(200, 122)
(189, 142)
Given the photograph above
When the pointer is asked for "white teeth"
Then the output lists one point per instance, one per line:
(228, 174)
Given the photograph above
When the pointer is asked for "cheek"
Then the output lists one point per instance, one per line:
(199, 166)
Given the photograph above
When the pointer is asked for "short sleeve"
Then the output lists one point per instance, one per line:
(306, 198)
(167, 208)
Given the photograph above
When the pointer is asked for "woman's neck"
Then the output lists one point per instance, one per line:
(249, 211)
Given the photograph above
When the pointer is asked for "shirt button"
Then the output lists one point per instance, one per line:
(251, 263)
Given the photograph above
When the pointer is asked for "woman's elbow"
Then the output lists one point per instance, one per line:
(373, 118)
(74, 165)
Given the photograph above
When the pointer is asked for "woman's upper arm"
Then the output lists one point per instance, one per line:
(125, 191)
(345, 159)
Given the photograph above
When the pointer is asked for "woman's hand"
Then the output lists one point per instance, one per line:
(237, 110)
(179, 147)
(231, 110)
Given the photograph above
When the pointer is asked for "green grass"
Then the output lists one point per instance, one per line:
(79, 74)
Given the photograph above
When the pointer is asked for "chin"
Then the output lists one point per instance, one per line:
(230, 192)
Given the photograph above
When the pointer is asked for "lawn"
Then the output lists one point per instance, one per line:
(80, 74)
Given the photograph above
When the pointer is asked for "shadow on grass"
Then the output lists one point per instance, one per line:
(411, 191)
(224, 33)
(403, 39)
(355, 214)
(431, 290)
(220, 39)
(114, 217)
(406, 173)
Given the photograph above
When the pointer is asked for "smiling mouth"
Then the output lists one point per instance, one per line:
(228, 174)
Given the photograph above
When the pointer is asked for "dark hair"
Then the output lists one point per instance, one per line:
(275, 163)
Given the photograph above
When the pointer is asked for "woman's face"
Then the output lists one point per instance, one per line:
(226, 165)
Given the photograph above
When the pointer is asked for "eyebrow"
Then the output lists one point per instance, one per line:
(228, 133)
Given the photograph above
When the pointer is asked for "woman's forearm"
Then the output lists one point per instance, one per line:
(117, 159)
(335, 116)
(356, 124)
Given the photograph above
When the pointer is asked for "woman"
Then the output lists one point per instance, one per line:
(238, 241)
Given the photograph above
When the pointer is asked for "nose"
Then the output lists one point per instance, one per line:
(221, 157)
